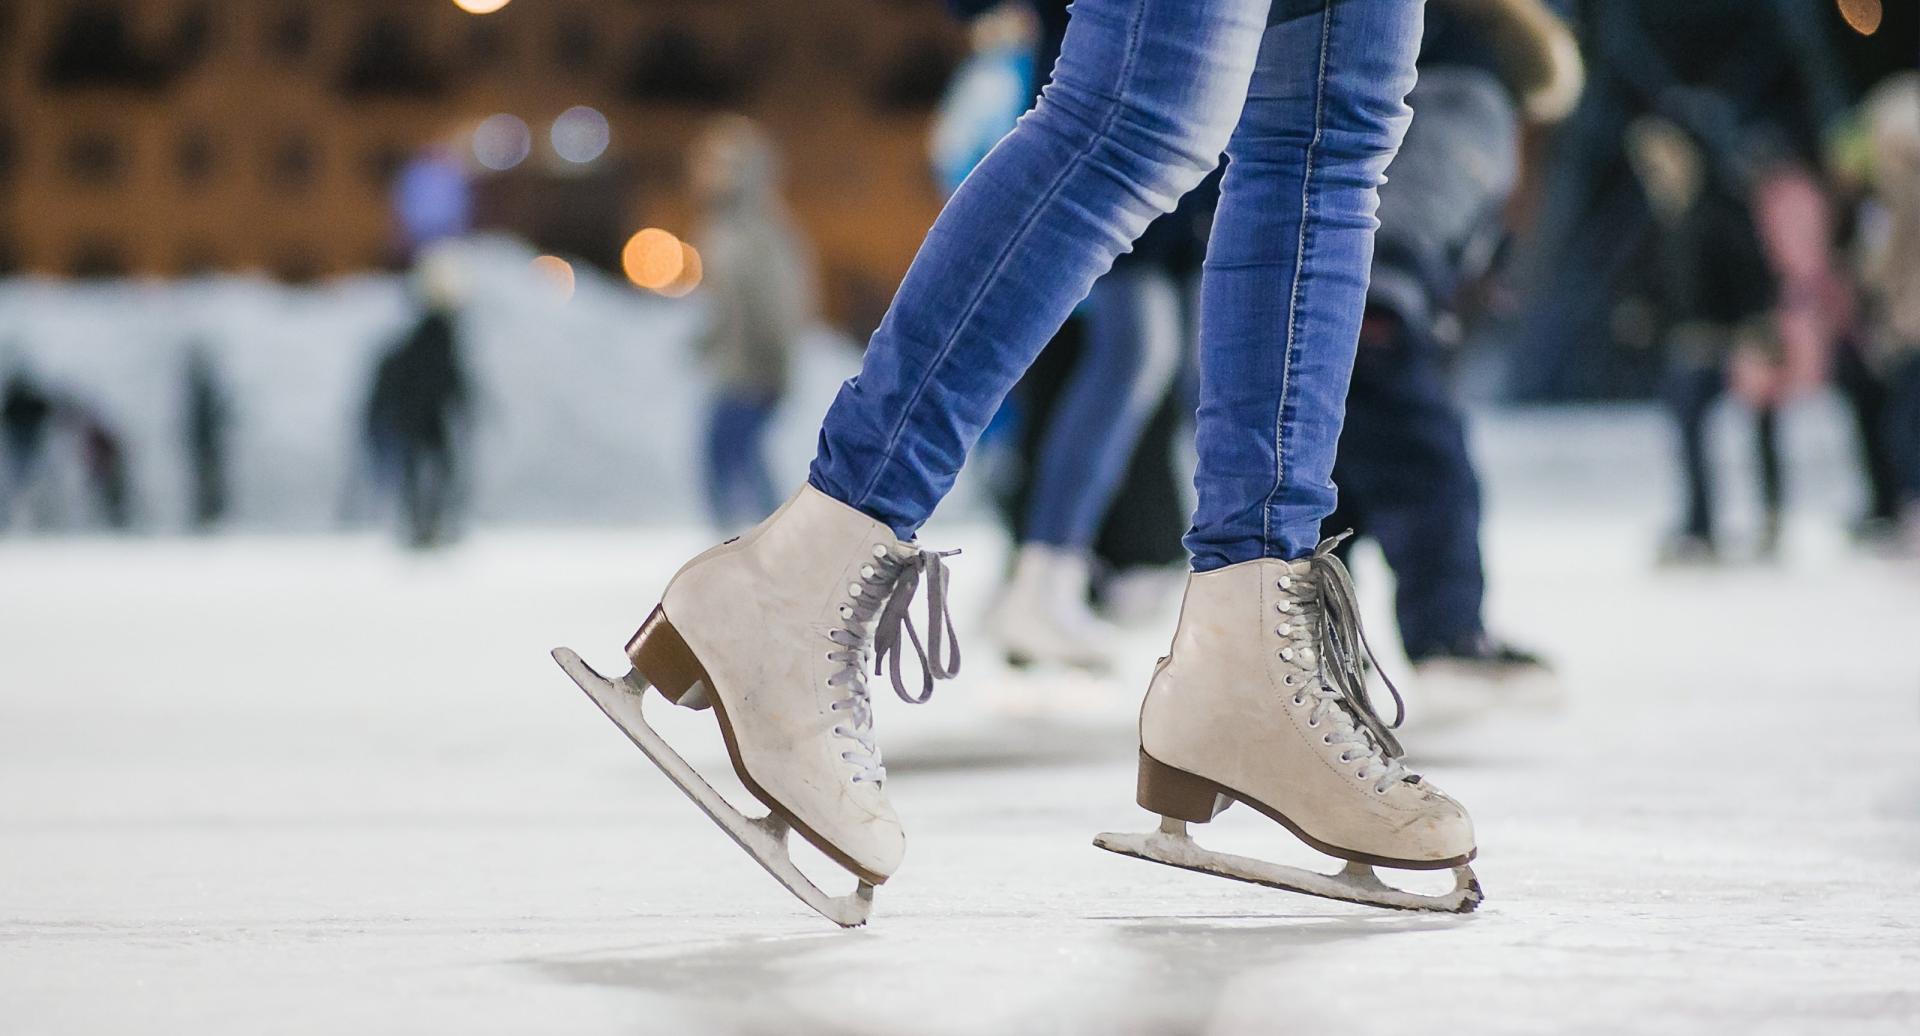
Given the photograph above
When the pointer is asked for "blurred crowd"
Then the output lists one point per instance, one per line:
(1734, 183)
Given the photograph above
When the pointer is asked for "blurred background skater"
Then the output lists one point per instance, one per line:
(1405, 471)
(1718, 297)
(759, 291)
(103, 460)
(1078, 415)
(1891, 267)
(1726, 110)
(993, 85)
(417, 412)
(26, 414)
(207, 417)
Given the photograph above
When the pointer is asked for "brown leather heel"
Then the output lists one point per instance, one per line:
(659, 654)
(1177, 793)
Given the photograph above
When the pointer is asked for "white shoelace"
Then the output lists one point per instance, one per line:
(883, 596)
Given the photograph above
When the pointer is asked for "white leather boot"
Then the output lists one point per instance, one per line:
(1260, 702)
(1044, 618)
(773, 630)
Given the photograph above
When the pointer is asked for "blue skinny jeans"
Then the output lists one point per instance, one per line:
(1308, 100)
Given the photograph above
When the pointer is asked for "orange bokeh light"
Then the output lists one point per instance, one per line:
(654, 259)
(1863, 15)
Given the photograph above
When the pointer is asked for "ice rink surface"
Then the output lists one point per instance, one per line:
(310, 785)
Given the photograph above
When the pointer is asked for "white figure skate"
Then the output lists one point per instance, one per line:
(771, 631)
(1044, 619)
(1261, 701)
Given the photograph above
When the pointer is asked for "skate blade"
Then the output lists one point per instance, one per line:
(1356, 883)
(764, 838)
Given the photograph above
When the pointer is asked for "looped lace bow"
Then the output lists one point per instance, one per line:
(1343, 646)
(894, 617)
(886, 590)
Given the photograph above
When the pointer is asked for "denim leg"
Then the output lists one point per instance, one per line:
(1141, 104)
(756, 477)
(1131, 353)
(1286, 272)
(720, 457)
(1405, 467)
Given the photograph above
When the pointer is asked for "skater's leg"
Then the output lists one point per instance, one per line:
(438, 491)
(1131, 354)
(1140, 106)
(1286, 271)
(775, 628)
(716, 458)
(1773, 490)
(726, 459)
(756, 479)
(1131, 350)
(411, 496)
(1261, 698)
(1867, 395)
(1691, 393)
(1149, 511)
(1903, 424)
(1404, 455)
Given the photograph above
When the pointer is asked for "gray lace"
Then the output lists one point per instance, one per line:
(877, 611)
(1343, 642)
(1339, 652)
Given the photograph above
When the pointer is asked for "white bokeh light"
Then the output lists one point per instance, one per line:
(580, 134)
(501, 141)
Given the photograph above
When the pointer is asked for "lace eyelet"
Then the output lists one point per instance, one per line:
(846, 612)
(866, 572)
(853, 590)
(1359, 775)
(879, 550)
(1327, 739)
(1314, 723)
(1297, 700)
(1286, 583)
(1287, 680)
